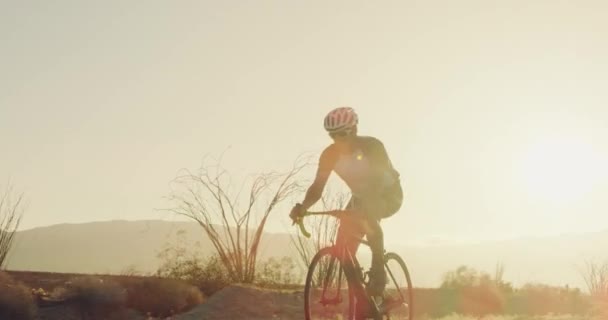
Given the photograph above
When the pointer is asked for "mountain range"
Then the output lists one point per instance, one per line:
(124, 246)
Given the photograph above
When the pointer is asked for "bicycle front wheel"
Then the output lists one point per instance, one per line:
(399, 293)
(327, 294)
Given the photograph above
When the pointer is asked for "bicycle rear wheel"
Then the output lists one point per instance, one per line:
(399, 293)
(327, 294)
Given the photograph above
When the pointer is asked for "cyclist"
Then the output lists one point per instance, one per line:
(363, 164)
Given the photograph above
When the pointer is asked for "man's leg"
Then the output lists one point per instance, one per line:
(380, 207)
(375, 238)
(349, 230)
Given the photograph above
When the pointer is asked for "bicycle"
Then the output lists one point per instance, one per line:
(397, 303)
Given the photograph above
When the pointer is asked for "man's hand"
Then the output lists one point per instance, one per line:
(296, 212)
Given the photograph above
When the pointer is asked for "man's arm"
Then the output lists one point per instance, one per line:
(315, 191)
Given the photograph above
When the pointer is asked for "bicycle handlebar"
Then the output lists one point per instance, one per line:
(300, 220)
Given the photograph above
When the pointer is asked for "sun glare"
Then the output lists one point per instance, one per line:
(560, 170)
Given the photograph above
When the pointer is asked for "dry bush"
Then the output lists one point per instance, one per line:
(323, 229)
(132, 271)
(208, 197)
(469, 291)
(160, 297)
(16, 301)
(595, 275)
(277, 273)
(540, 299)
(208, 274)
(11, 212)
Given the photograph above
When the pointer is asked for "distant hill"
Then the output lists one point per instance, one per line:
(554, 260)
(116, 246)
(113, 246)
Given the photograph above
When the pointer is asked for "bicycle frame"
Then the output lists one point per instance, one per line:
(347, 259)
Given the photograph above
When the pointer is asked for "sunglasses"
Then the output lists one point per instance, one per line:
(340, 134)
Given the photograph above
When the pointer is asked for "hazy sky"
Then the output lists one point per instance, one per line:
(494, 112)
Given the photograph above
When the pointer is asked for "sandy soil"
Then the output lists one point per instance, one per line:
(246, 302)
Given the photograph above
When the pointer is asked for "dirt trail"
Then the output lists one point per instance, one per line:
(246, 302)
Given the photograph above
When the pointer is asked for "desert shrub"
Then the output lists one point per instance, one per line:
(209, 274)
(131, 271)
(600, 307)
(161, 297)
(596, 277)
(16, 301)
(277, 273)
(468, 291)
(207, 197)
(541, 299)
(11, 212)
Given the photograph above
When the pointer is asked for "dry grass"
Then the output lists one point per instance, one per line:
(162, 298)
(16, 301)
(600, 305)
(155, 296)
(92, 291)
(456, 316)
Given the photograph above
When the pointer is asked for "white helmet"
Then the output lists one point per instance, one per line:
(340, 119)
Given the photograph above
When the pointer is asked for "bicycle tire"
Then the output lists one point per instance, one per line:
(308, 287)
(409, 295)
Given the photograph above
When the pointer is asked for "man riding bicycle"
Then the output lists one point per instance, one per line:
(363, 164)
